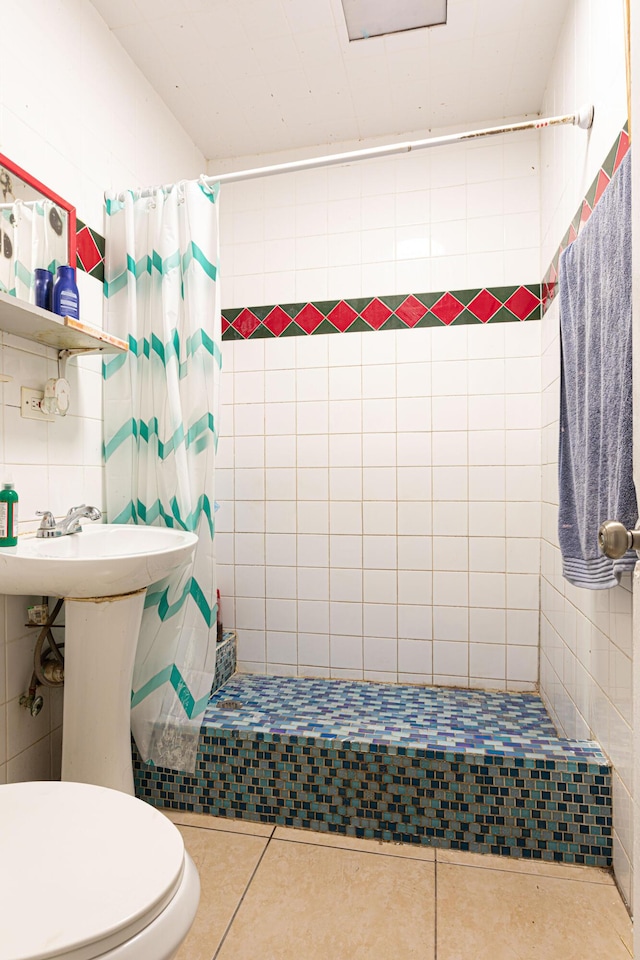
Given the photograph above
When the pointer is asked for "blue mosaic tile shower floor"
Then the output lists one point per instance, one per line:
(435, 718)
(462, 769)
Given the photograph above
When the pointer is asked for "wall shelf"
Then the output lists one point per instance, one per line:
(63, 333)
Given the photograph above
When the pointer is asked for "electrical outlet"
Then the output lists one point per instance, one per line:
(30, 401)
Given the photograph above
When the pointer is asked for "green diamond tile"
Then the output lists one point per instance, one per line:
(292, 309)
(359, 304)
(591, 192)
(575, 222)
(98, 271)
(610, 159)
(394, 323)
(429, 320)
(293, 330)
(428, 299)
(325, 306)
(232, 334)
(325, 327)
(503, 293)
(394, 301)
(79, 224)
(359, 325)
(465, 297)
(261, 333)
(262, 312)
(504, 316)
(464, 317)
(230, 313)
(99, 241)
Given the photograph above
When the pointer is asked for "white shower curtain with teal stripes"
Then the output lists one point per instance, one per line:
(160, 438)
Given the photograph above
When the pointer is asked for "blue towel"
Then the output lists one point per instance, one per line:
(596, 422)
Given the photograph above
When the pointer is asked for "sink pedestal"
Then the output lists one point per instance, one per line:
(103, 574)
(96, 736)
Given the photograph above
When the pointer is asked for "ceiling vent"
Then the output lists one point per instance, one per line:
(375, 18)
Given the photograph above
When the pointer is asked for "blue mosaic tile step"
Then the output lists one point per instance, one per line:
(467, 770)
(428, 718)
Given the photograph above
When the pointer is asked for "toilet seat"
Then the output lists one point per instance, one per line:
(84, 869)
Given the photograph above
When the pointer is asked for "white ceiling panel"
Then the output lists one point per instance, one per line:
(259, 76)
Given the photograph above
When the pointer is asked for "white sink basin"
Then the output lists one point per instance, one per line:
(104, 560)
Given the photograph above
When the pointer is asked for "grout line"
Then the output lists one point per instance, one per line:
(524, 873)
(435, 907)
(235, 833)
(372, 853)
(241, 900)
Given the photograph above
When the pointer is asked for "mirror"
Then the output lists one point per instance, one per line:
(37, 230)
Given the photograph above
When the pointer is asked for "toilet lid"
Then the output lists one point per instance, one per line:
(82, 869)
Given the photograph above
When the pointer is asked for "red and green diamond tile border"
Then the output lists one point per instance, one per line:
(90, 247)
(582, 214)
(398, 312)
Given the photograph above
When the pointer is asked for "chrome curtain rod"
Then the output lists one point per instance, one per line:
(582, 118)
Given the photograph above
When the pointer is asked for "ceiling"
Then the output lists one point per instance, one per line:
(246, 77)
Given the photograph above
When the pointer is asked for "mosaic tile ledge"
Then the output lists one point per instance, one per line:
(427, 718)
(530, 801)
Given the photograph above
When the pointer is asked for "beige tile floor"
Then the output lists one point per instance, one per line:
(273, 893)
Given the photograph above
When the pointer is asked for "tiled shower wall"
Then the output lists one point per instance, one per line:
(380, 491)
(114, 141)
(380, 504)
(585, 657)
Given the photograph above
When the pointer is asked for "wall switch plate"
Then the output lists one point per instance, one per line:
(30, 405)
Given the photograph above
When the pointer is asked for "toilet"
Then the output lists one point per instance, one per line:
(90, 872)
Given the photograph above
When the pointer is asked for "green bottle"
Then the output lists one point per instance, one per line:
(8, 516)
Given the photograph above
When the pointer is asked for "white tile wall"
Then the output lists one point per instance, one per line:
(390, 547)
(456, 217)
(100, 125)
(585, 654)
(394, 462)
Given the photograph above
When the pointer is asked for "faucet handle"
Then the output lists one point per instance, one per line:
(48, 520)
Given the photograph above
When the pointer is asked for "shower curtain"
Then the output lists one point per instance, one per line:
(160, 438)
(32, 235)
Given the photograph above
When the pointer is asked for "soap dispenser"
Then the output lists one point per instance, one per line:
(8, 516)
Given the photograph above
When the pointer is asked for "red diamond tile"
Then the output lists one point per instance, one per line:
(623, 146)
(342, 316)
(225, 324)
(309, 318)
(484, 306)
(375, 313)
(447, 308)
(522, 302)
(603, 183)
(572, 234)
(585, 214)
(276, 321)
(411, 310)
(245, 323)
(87, 249)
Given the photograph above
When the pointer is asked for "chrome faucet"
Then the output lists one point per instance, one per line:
(70, 524)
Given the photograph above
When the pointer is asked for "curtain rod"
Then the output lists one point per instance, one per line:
(582, 118)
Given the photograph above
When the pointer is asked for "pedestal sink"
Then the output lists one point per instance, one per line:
(103, 573)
